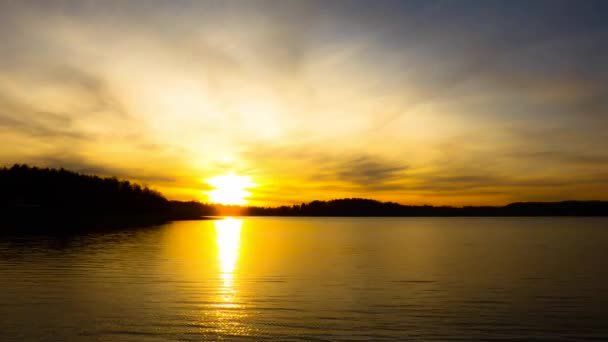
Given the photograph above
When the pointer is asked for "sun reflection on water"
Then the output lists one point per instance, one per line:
(229, 312)
(228, 239)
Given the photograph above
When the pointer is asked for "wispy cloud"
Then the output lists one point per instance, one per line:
(434, 100)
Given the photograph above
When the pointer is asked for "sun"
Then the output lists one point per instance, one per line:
(229, 189)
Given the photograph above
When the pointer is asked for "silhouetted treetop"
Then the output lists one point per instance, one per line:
(368, 207)
(43, 196)
(44, 200)
(24, 186)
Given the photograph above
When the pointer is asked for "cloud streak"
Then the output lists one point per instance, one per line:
(412, 101)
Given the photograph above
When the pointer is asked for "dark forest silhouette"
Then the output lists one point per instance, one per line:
(366, 207)
(37, 198)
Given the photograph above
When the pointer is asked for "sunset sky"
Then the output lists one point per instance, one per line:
(418, 102)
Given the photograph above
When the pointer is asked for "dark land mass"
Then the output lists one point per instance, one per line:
(366, 207)
(40, 199)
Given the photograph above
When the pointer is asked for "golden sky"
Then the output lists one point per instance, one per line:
(415, 102)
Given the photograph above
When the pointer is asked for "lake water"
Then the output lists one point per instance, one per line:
(321, 279)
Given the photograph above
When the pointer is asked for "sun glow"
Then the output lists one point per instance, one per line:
(229, 189)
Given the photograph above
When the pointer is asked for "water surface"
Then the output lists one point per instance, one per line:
(312, 279)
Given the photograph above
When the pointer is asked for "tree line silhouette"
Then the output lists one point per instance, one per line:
(24, 186)
(367, 207)
(36, 198)
(43, 197)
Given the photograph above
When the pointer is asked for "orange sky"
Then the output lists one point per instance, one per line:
(418, 102)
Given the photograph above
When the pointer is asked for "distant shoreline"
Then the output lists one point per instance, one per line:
(57, 200)
(420, 216)
(358, 207)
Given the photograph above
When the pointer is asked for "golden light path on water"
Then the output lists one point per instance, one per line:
(229, 311)
(228, 239)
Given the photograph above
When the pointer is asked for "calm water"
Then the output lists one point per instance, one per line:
(312, 279)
